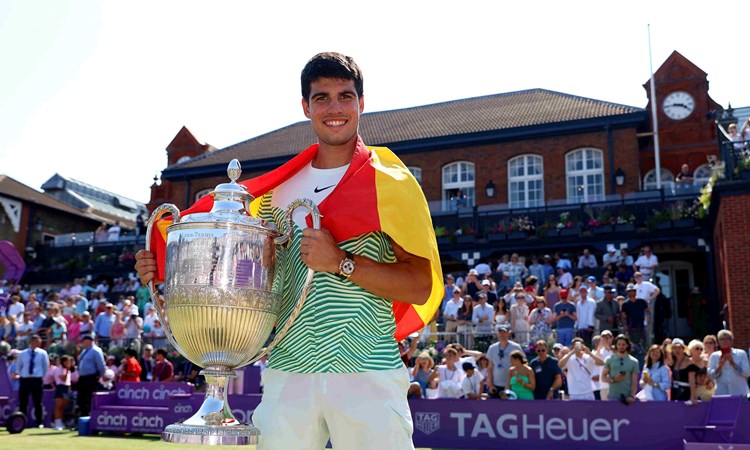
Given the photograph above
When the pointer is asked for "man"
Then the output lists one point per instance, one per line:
(15, 308)
(634, 312)
(611, 257)
(147, 363)
(163, 369)
(490, 295)
(537, 270)
(103, 325)
(472, 284)
(565, 316)
(564, 278)
(90, 369)
(684, 179)
(623, 276)
(82, 303)
(390, 256)
(450, 313)
(603, 351)
(646, 263)
(499, 356)
(621, 372)
(547, 372)
(505, 285)
(449, 376)
(729, 367)
(607, 310)
(585, 310)
(587, 260)
(595, 292)
(472, 383)
(32, 366)
(130, 370)
(482, 317)
(648, 292)
(483, 268)
(580, 364)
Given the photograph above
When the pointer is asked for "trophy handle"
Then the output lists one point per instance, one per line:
(281, 240)
(162, 210)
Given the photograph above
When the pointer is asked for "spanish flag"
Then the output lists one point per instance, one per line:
(377, 193)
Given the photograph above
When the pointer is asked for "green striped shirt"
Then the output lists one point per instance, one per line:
(341, 328)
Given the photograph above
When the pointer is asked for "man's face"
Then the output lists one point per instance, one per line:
(631, 295)
(541, 351)
(502, 335)
(333, 109)
(725, 342)
(621, 346)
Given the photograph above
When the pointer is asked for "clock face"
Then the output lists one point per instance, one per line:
(678, 105)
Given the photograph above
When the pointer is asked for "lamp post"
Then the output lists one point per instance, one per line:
(490, 189)
(619, 177)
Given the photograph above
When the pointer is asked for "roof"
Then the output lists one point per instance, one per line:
(105, 205)
(11, 188)
(459, 117)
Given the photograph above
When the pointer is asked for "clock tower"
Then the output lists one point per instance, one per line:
(686, 116)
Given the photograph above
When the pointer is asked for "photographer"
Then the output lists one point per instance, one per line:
(580, 370)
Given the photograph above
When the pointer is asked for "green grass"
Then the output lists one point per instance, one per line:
(49, 439)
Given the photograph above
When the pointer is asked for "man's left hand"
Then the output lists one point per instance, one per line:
(319, 251)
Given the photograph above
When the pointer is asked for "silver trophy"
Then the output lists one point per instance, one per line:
(222, 297)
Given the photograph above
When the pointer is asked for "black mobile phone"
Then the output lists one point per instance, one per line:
(622, 373)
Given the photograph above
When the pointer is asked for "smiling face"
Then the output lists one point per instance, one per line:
(334, 108)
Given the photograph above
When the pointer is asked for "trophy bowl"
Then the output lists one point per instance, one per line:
(222, 298)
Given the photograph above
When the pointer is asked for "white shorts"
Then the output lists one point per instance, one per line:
(586, 396)
(367, 410)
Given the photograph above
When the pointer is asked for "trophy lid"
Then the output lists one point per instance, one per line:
(231, 203)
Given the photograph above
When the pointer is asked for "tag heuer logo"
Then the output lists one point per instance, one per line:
(427, 422)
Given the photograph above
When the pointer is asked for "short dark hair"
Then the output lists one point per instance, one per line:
(624, 338)
(162, 352)
(131, 352)
(331, 65)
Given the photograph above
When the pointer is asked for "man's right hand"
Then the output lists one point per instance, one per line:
(145, 265)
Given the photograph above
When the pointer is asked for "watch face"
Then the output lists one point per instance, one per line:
(347, 267)
(678, 105)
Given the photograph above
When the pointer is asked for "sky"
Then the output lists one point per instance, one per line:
(96, 90)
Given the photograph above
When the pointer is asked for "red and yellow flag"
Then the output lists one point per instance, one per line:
(377, 193)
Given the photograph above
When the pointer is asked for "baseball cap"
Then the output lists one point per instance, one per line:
(547, 257)
(557, 346)
(611, 248)
(457, 289)
(467, 366)
(609, 288)
(503, 327)
(591, 279)
(606, 333)
(506, 274)
(678, 341)
(563, 293)
(87, 336)
(449, 276)
(473, 272)
(631, 287)
(485, 282)
(481, 295)
(583, 288)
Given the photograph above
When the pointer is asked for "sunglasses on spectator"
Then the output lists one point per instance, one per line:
(541, 350)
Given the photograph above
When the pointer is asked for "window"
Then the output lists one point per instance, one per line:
(417, 172)
(667, 180)
(702, 174)
(202, 193)
(458, 185)
(526, 181)
(584, 171)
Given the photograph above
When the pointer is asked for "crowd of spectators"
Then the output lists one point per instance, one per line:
(83, 338)
(518, 330)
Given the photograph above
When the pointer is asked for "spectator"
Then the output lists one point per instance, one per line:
(421, 371)
(585, 310)
(646, 263)
(472, 383)
(704, 386)
(113, 232)
(10, 330)
(130, 370)
(710, 345)
(499, 356)
(448, 377)
(602, 349)
(729, 366)
(635, 312)
(158, 335)
(537, 270)
(464, 329)
(521, 378)
(483, 269)
(12, 370)
(684, 178)
(24, 331)
(103, 325)
(581, 371)
(502, 313)
(62, 379)
(482, 317)
(133, 327)
(516, 269)
(541, 320)
(734, 136)
(607, 311)
(574, 291)
(519, 320)
(100, 235)
(450, 313)
(623, 277)
(587, 260)
(564, 278)
(489, 294)
(547, 373)
(163, 369)
(506, 285)
(87, 325)
(695, 353)
(15, 308)
(32, 367)
(74, 328)
(117, 331)
(565, 317)
(563, 262)
(626, 258)
(472, 285)
(111, 364)
(683, 373)
(547, 266)
(90, 368)
(551, 291)
(611, 257)
(595, 293)
(147, 363)
(59, 330)
(655, 379)
(502, 265)
(621, 372)
(449, 286)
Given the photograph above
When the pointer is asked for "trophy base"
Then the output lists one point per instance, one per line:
(180, 433)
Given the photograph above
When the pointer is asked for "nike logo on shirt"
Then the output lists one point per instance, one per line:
(317, 189)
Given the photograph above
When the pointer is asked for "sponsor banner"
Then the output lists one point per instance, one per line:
(48, 406)
(492, 424)
(154, 394)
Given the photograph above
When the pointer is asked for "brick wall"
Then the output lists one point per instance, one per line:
(732, 253)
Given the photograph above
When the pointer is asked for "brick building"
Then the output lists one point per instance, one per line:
(537, 154)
